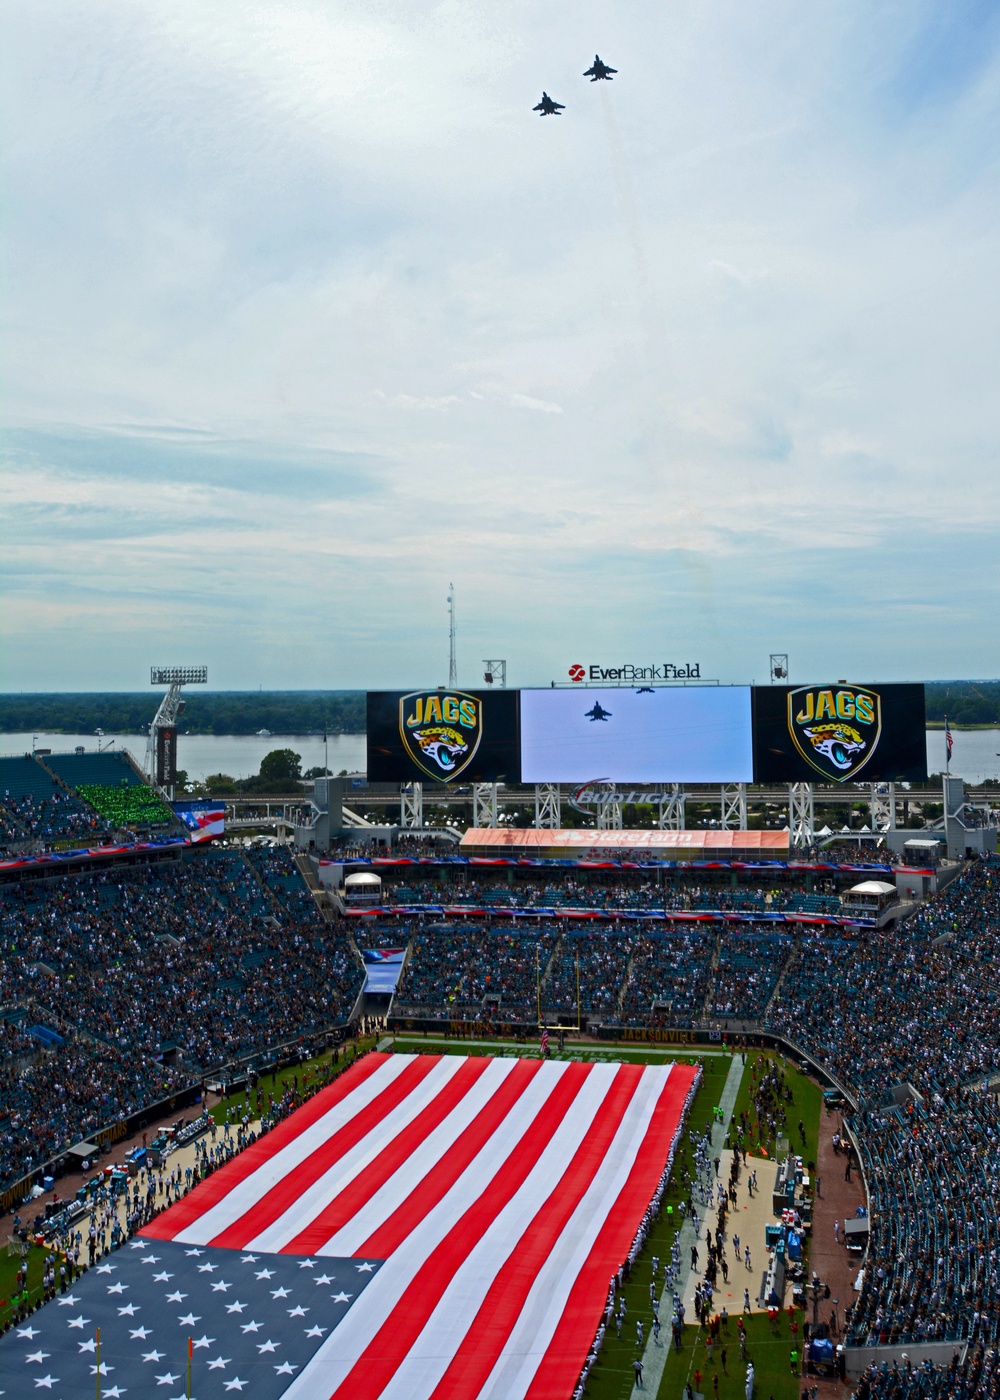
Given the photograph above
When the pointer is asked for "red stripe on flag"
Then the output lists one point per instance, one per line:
(209, 1193)
(443, 1175)
(560, 1368)
(482, 1344)
(284, 1193)
(354, 1197)
(374, 1369)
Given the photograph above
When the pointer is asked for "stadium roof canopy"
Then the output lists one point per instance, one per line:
(666, 845)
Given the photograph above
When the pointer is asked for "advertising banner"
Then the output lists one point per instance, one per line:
(838, 733)
(442, 736)
(166, 756)
(204, 819)
(689, 734)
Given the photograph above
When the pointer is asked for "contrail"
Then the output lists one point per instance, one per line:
(654, 371)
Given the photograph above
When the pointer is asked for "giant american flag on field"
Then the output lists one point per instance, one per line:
(428, 1226)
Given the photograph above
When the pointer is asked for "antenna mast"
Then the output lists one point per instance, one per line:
(452, 664)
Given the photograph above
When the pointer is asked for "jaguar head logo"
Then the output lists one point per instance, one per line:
(441, 731)
(835, 728)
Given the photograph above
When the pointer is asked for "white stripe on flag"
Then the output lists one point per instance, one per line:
(243, 1197)
(431, 1353)
(349, 1239)
(318, 1196)
(337, 1356)
(538, 1322)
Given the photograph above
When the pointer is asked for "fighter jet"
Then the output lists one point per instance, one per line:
(548, 106)
(599, 70)
(598, 713)
(645, 690)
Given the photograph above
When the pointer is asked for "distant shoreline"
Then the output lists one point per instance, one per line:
(939, 724)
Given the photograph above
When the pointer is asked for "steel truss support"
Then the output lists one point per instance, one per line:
(484, 804)
(411, 805)
(548, 806)
(609, 810)
(672, 808)
(883, 803)
(801, 815)
(734, 806)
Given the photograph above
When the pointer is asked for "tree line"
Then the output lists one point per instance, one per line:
(206, 712)
(963, 702)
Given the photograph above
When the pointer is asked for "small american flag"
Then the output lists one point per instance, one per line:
(949, 742)
(545, 1040)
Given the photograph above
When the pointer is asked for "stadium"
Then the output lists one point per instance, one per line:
(543, 1110)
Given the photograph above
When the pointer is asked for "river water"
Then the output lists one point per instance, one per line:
(976, 755)
(201, 754)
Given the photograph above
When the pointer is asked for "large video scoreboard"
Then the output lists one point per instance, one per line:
(830, 733)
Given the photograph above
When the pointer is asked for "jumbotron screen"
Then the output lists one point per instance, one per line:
(442, 735)
(839, 732)
(687, 734)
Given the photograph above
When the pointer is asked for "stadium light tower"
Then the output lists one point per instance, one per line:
(161, 746)
(495, 673)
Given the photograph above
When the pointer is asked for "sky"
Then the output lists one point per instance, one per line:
(307, 315)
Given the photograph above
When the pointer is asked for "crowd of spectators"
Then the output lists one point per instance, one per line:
(867, 850)
(669, 976)
(747, 973)
(977, 1378)
(593, 965)
(933, 1267)
(60, 816)
(355, 847)
(16, 1041)
(542, 889)
(917, 1003)
(464, 971)
(193, 959)
(67, 1094)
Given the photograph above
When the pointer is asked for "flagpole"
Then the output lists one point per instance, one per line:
(190, 1348)
(947, 748)
(98, 1364)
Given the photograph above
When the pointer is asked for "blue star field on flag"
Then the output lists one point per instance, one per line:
(253, 1320)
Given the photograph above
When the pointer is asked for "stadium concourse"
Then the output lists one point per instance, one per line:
(126, 984)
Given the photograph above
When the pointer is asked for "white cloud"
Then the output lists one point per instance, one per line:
(723, 331)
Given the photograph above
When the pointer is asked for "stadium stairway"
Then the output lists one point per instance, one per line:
(623, 989)
(554, 959)
(59, 784)
(713, 967)
(320, 897)
(776, 990)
